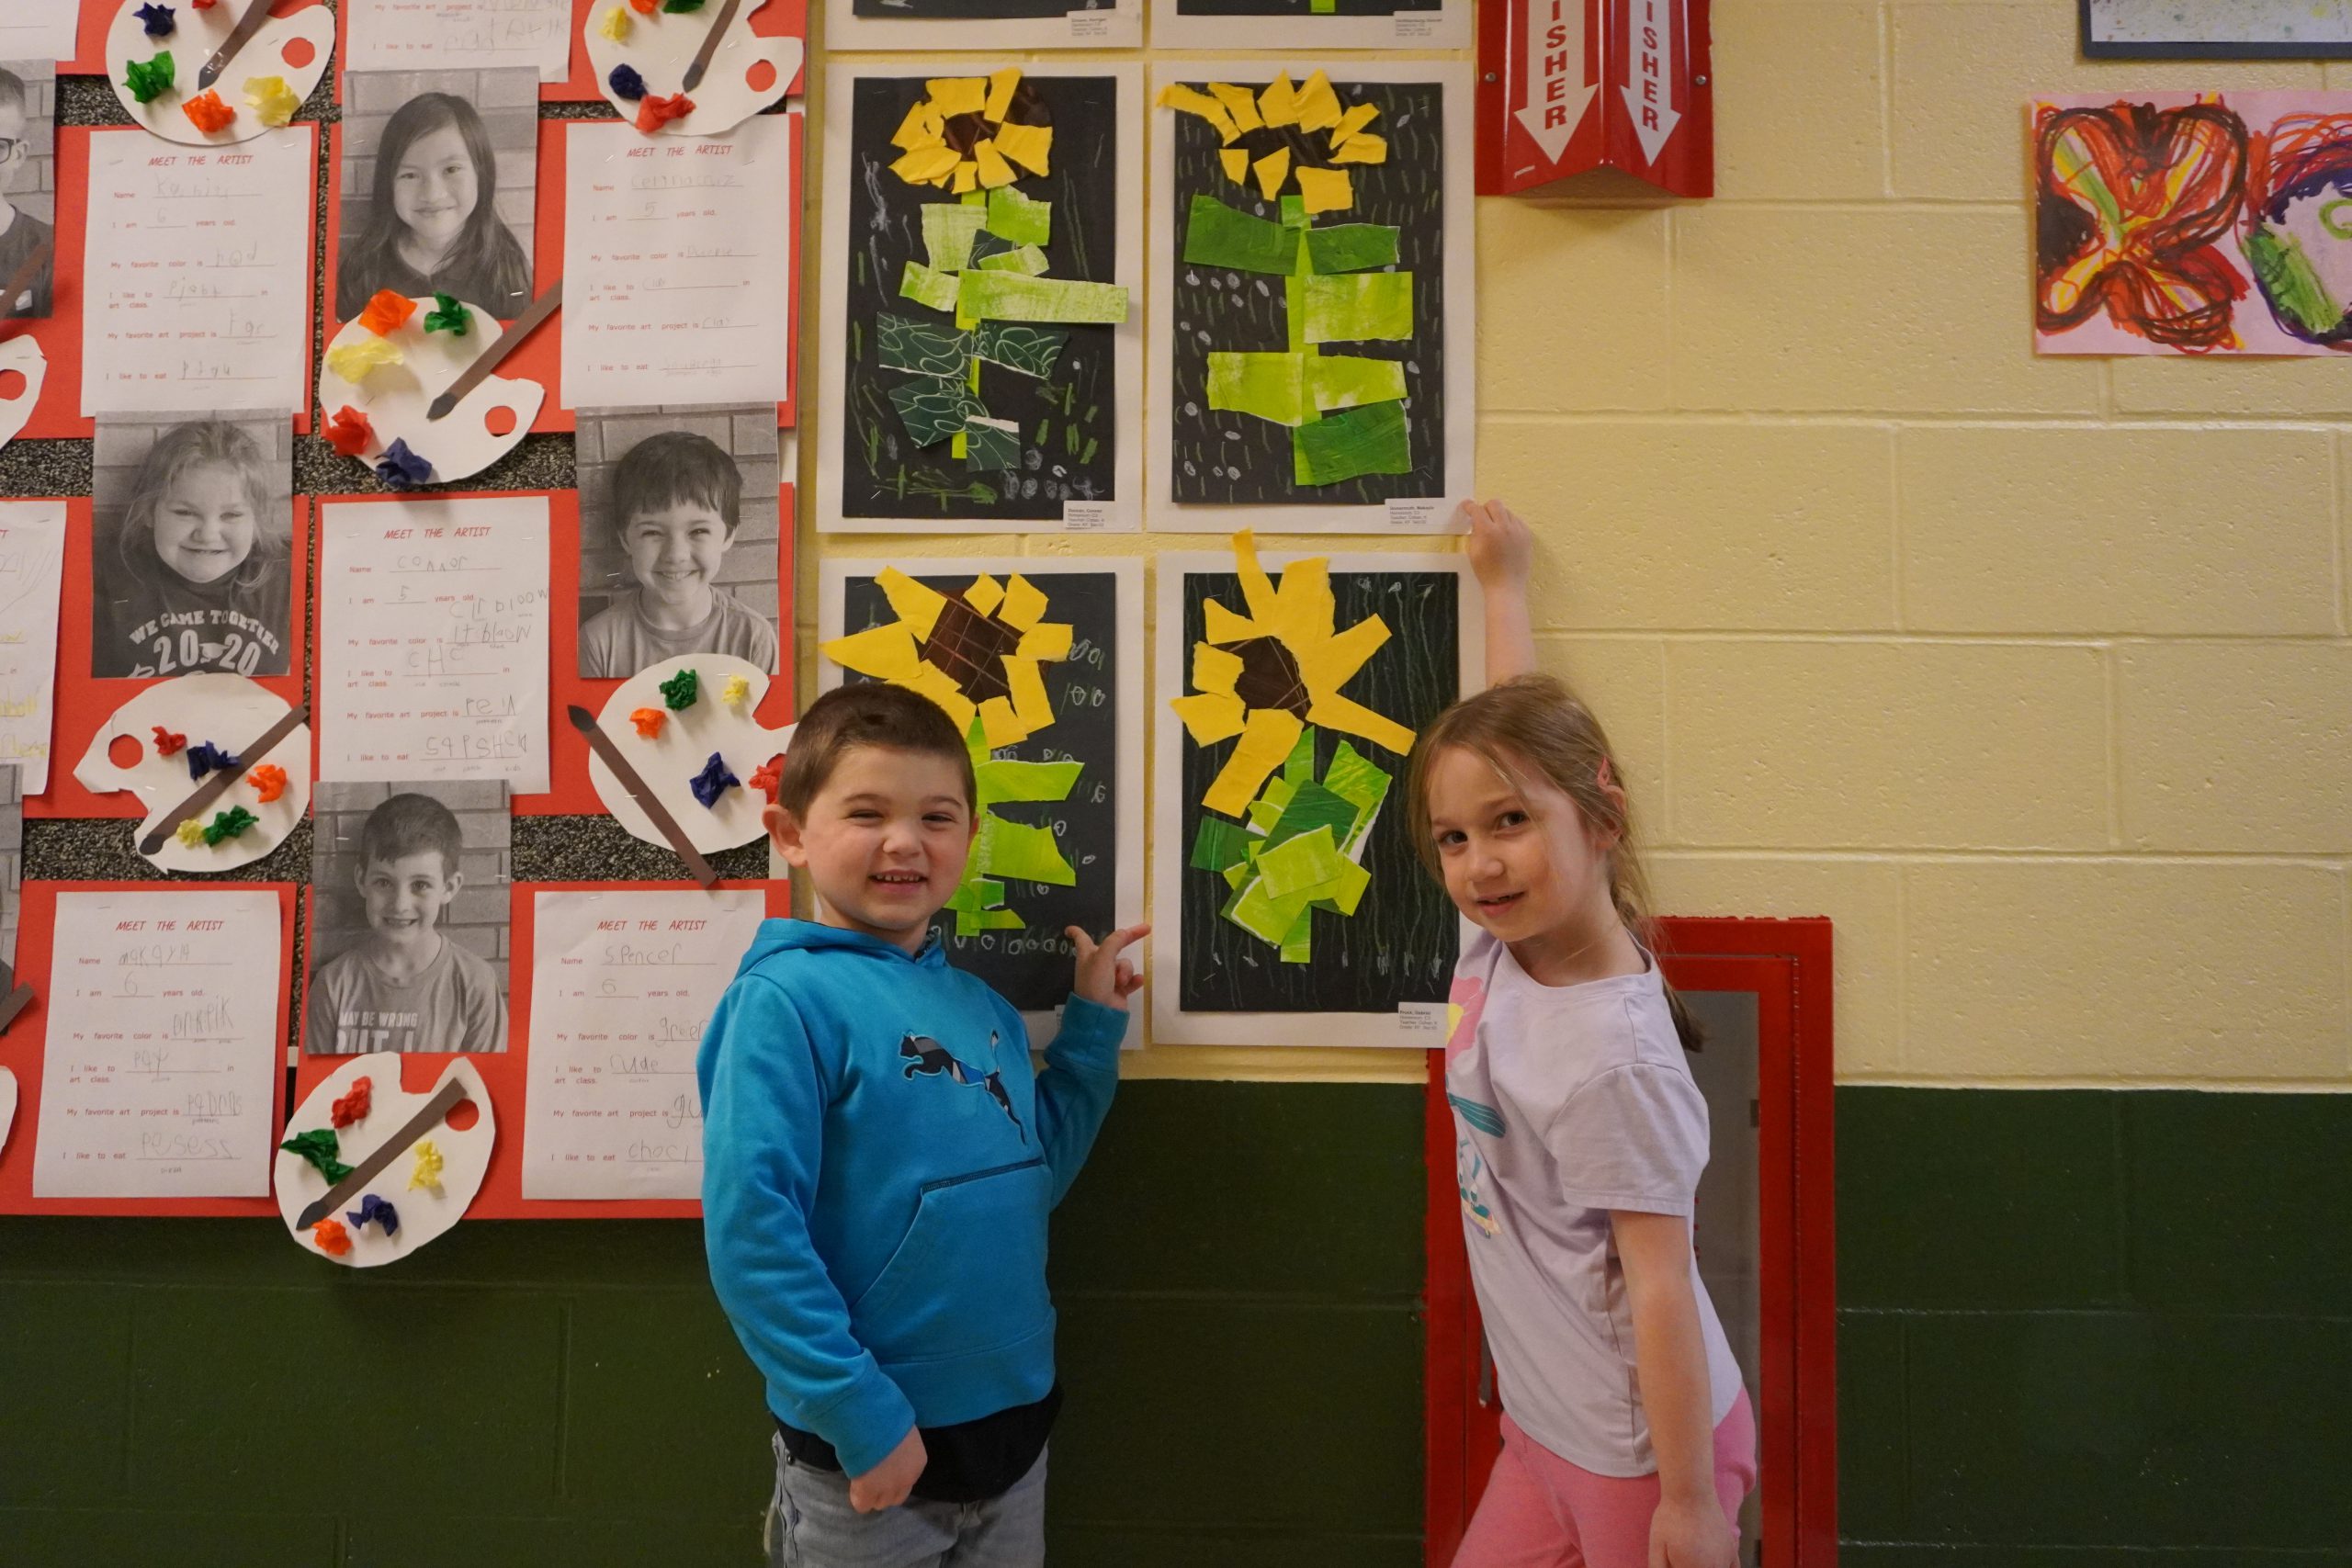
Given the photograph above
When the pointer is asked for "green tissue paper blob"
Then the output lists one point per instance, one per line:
(448, 315)
(320, 1146)
(149, 79)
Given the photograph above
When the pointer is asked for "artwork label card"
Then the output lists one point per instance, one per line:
(677, 254)
(425, 34)
(433, 645)
(622, 983)
(191, 256)
(163, 1035)
(32, 561)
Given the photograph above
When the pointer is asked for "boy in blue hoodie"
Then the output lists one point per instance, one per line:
(879, 1160)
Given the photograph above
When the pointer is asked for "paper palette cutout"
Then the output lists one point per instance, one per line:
(660, 47)
(688, 737)
(229, 711)
(21, 357)
(425, 1215)
(196, 35)
(7, 1106)
(489, 422)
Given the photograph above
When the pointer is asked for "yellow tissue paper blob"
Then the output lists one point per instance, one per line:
(1363, 148)
(1000, 87)
(355, 362)
(1240, 102)
(1028, 145)
(952, 95)
(1236, 165)
(273, 102)
(1326, 190)
(737, 691)
(1272, 171)
(1318, 103)
(1279, 103)
(190, 833)
(427, 1174)
(616, 24)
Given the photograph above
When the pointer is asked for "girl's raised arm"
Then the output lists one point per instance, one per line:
(1501, 548)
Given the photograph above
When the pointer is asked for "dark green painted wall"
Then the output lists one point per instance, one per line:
(2093, 1330)
(2077, 1330)
(1238, 1273)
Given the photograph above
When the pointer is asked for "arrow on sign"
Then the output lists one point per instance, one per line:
(1649, 74)
(1557, 93)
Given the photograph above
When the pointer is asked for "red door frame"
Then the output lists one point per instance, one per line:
(1786, 963)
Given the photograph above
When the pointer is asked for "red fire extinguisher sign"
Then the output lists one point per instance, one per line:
(1568, 85)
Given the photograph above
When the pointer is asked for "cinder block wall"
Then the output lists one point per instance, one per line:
(748, 435)
(477, 920)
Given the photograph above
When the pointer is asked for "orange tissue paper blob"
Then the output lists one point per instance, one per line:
(333, 1239)
(268, 782)
(649, 721)
(209, 112)
(656, 112)
(386, 311)
(353, 1106)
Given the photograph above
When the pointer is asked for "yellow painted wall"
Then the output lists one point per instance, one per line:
(2032, 673)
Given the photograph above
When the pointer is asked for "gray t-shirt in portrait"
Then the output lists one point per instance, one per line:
(619, 641)
(1570, 1101)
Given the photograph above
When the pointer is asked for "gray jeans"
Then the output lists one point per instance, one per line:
(811, 1525)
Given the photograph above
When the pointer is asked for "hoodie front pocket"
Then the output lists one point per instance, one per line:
(970, 1275)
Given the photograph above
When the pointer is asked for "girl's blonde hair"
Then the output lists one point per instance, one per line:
(1533, 727)
(191, 445)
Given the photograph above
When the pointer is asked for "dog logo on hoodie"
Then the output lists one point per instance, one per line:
(929, 1058)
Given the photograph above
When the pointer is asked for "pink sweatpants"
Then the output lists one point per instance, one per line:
(1539, 1511)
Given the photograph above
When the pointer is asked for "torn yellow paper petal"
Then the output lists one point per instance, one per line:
(1189, 100)
(1350, 649)
(1257, 588)
(355, 362)
(1050, 640)
(1000, 87)
(1355, 119)
(985, 594)
(1210, 717)
(1241, 103)
(1365, 148)
(941, 688)
(1304, 606)
(925, 164)
(912, 601)
(1351, 718)
(968, 178)
(919, 128)
(1326, 190)
(1030, 146)
(1222, 626)
(952, 95)
(1236, 165)
(1028, 687)
(994, 170)
(616, 25)
(1278, 104)
(1318, 103)
(1272, 171)
(1024, 603)
(998, 726)
(886, 653)
(1214, 670)
(1266, 739)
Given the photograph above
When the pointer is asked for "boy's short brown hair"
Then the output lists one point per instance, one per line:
(868, 713)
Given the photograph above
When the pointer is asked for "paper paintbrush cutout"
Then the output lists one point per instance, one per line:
(695, 73)
(257, 13)
(633, 782)
(540, 310)
(14, 1002)
(418, 1126)
(218, 784)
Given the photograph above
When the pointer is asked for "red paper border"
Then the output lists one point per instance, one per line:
(506, 1073)
(571, 793)
(22, 1051)
(85, 702)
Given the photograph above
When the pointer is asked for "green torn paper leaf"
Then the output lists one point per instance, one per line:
(1019, 852)
(1011, 297)
(1298, 942)
(991, 442)
(1351, 443)
(1348, 380)
(1298, 768)
(1351, 247)
(924, 286)
(1313, 807)
(923, 348)
(1019, 219)
(1218, 235)
(1268, 385)
(1359, 307)
(1294, 211)
(1030, 350)
(1357, 780)
(1003, 778)
(948, 230)
(1262, 915)
(1028, 259)
(935, 408)
(1218, 845)
(1301, 864)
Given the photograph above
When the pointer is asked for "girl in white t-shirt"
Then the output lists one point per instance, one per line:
(1628, 1441)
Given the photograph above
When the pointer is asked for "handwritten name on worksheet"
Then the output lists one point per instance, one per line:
(424, 35)
(163, 1038)
(191, 259)
(32, 564)
(621, 985)
(677, 256)
(433, 640)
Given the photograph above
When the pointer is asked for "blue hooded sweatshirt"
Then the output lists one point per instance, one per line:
(878, 1161)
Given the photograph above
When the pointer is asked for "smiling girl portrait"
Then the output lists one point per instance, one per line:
(429, 221)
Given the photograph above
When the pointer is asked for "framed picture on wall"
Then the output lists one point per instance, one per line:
(2217, 30)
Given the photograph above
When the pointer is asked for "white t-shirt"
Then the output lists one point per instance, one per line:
(1569, 1101)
